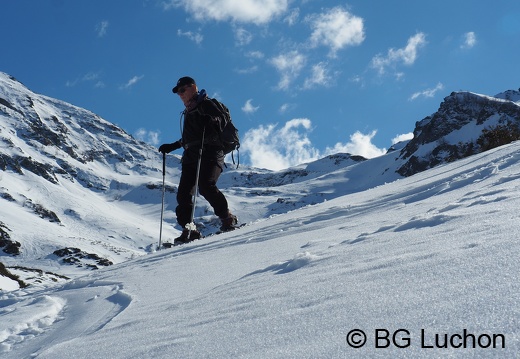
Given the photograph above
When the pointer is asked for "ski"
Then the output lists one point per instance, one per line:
(237, 226)
(171, 245)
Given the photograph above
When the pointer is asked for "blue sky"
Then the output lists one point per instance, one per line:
(303, 78)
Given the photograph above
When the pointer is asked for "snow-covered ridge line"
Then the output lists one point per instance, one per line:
(91, 192)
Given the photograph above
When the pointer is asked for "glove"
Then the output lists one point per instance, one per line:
(169, 147)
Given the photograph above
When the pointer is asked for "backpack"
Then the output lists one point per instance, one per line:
(229, 138)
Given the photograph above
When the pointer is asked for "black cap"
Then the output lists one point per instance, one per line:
(183, 81)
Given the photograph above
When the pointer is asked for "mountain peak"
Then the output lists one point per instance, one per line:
(510, 95)
(462, 126)
(74, 184)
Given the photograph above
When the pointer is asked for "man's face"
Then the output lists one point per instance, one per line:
(186, 92)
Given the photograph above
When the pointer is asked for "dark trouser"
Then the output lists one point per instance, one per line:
(208, 177)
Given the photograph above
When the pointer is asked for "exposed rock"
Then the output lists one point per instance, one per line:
(76, 256)
(441, 137)
(6, 243)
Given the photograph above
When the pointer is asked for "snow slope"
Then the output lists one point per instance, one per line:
(78, 193)
(429, 256)
(330, 247)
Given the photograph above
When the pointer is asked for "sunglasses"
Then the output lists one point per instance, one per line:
(183, 89)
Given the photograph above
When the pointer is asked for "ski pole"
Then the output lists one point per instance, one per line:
(162, 201)
(191, 226)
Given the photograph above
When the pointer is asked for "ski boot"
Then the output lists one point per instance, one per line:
(187, 236)
(229, 223)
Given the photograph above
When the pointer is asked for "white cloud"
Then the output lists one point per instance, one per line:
(242, 37)
(244, 11)
(91, 76)
(470, 40)
(150, 137)
(101, 28)
(279, 148)
(359, 144)
(336, 28)
(289, 65)
(132, 82)
(427, 92)
(193, 36)
(399, 75)
(406, 55)
(402, 137)
(319, 76)
(255, 55)
(286, 107)
(249, 108)
(292, 18)
(248, 70)
(88, 77)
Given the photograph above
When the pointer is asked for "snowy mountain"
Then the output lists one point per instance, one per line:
(79, 193)
(64, 166)
(333, 246)
(510, 95)
(465, 124)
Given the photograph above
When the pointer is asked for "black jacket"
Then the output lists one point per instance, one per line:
(206, 116)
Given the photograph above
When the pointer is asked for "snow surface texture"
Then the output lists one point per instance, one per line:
(436, 252)
(330, 247)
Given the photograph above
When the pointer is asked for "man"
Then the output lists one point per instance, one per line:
(202, 124)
